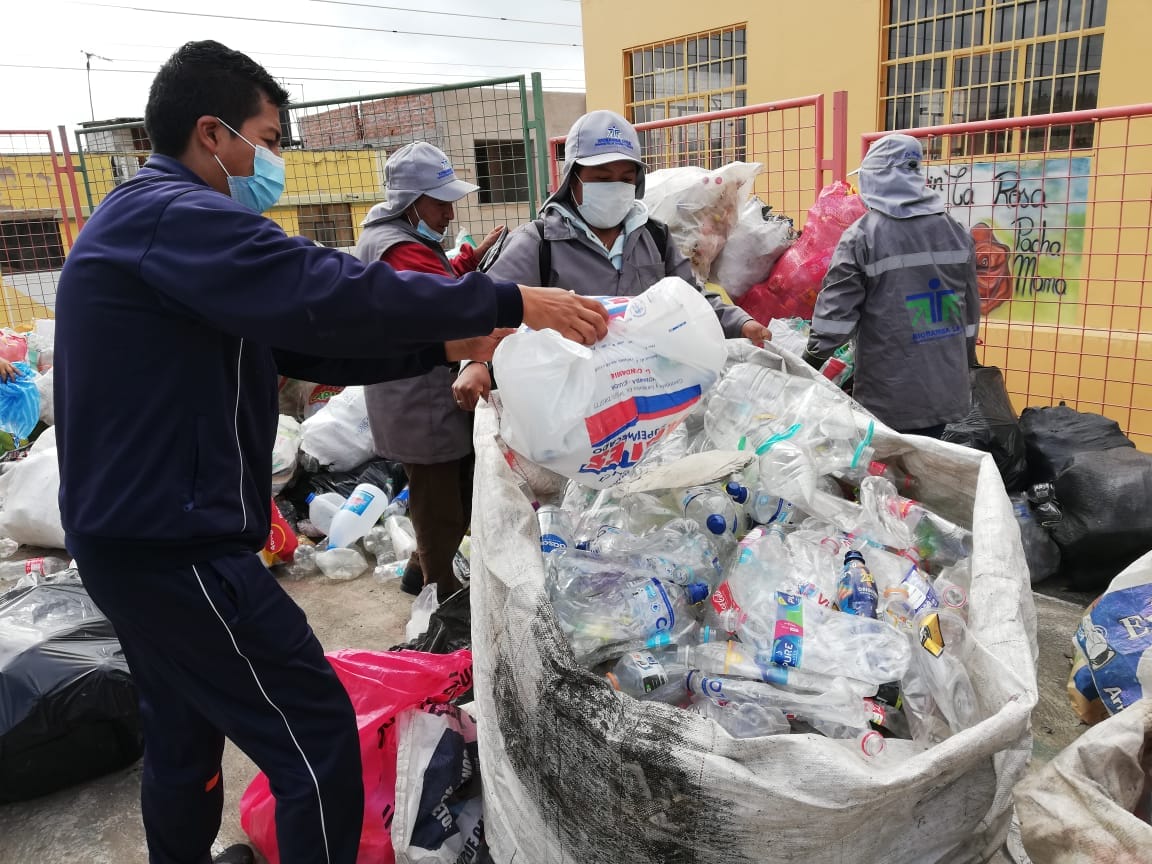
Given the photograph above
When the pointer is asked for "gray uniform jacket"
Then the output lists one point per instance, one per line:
(415, 420)
(906, 288)
(579, 265)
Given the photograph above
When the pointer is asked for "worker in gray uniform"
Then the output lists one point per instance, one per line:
(903, 283)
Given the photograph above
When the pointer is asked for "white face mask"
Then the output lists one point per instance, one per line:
(606, 204)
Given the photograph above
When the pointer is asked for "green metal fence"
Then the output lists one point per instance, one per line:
(493, 131)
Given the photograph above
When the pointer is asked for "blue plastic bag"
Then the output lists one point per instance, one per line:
(19, 403)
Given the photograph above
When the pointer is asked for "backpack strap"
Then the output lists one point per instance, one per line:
(545, 248)
(659, 232)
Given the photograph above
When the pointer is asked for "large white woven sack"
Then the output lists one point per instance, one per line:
(577, 772)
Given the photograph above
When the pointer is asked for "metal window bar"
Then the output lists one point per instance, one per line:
(1063, 241)
(335, 152)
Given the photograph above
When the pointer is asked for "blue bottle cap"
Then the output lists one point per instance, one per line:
(716, 523)
(697, 592)
(853, 556)
(736, 492)
(311, 495)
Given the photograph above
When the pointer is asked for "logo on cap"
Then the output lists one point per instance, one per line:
(613, 137)
(446, 170)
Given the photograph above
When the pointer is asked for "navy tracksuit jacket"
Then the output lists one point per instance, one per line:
(176, 309)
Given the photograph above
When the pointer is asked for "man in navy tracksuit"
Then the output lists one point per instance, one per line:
(177, 307)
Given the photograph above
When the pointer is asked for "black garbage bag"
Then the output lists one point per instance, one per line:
(449, 628)
(992, 426)
(383, 473)
(1040, 550)
(1052, 436)
(1106, 499)
(68, 706)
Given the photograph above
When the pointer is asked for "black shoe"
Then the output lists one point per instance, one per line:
(412, 582)
(239, 853)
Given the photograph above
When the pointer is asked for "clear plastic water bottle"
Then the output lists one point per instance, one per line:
(839, 704)
(642, 676)
(743, 719)
(857, 593)
(322, 509)
(378, 544)
(341, 563)
(799, 633)
(303, 561)
(604, 605)
(8, 547)
(356, 517)
(556, 529)
(45, 566)
(679, 552)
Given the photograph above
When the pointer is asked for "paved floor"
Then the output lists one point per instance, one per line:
(99, 822)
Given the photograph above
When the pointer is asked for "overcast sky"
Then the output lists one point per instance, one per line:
(314, 62)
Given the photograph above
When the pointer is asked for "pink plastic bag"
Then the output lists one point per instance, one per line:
(380, 685)
(791, 288)
(13, 346)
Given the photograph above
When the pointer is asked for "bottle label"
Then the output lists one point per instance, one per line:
(34, 565)
(788, 638)
(358, 501)
(552, 542)
(651, 670)
(661, 615)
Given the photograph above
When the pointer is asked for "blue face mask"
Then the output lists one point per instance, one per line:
(263, 189)
(425, 231)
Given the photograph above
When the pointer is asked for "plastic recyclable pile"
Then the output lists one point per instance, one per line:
(806, 591)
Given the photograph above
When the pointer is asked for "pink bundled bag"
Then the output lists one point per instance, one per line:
(381, 685)
(791, 288)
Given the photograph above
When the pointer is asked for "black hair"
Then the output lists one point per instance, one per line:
(205, 78)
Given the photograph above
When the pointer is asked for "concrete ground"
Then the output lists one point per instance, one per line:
(99, 822)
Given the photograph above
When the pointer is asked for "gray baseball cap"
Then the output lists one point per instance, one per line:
(597, 138)
(417, 169)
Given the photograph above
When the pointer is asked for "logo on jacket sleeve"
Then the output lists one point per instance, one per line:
(935, 313)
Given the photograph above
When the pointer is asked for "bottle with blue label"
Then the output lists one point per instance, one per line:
(360, 512)
(556, 529)
(712, 509)
(857, 594)
(605, 604)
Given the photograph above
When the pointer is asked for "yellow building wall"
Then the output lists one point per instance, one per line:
(1101, 361)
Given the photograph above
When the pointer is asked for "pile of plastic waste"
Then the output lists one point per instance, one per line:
(806, 591)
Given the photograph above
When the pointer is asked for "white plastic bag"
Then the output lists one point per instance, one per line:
(43, 383)
(30, 490)
(284, 452)
(700, 207)
(592, 414)
(422, 609)
(753, 247)
(439, 815)
(338, 436)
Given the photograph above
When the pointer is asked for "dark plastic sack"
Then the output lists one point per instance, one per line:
(20, 403)
(68, 706)
(449, 628)
(387, 475)
(1040, 550)
(992, 427)
(1106, 498)
(1052, 436)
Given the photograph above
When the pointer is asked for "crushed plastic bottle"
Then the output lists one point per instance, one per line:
(45, 566)
(556, 529)
(839, 704)
(8, 547)
(303, 561)
(342, 563)
(743, 719)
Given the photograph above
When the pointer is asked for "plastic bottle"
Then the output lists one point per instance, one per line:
(604, 604)
(904, 603)
(356, 517)
(799, 633)
(715, 512)
(303, 561)
(341, 563)
(45, 566)
(642, 676)
(857, 590)
(556, 529)
(8, 547)
(322, 509)
(679, 552)
(886, 709)
(378, 543)
(743, 719)
(400, 530)
(839, 704)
